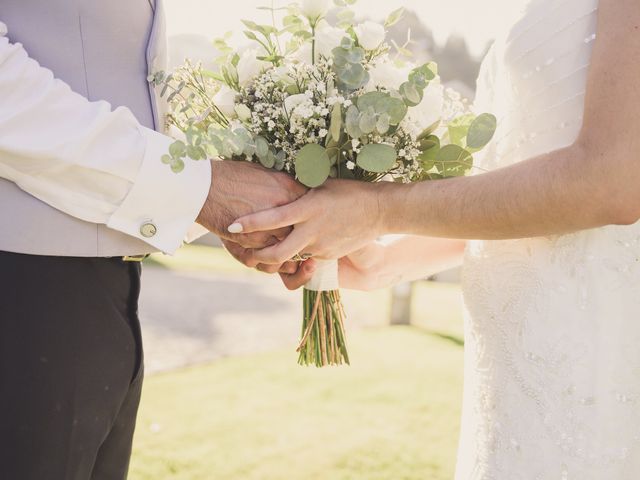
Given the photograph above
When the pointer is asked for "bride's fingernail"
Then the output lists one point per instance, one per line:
(235, 228)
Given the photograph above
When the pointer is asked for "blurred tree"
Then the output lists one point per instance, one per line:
(456, 63)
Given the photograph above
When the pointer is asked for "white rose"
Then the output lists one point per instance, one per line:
(327, 38)
(249, 66)
(370, 35)
(429, 111)
(225, 100)
(314, 9)
(388, 75)
(291, 102)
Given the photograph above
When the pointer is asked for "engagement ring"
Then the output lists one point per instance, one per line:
(301, 257)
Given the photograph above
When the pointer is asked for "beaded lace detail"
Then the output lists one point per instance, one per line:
(552, 362)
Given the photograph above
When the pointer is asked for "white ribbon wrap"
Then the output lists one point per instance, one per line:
(325, 277)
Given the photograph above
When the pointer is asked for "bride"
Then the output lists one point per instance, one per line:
(552, 279)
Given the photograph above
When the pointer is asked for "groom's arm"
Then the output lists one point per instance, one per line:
(86, 160)
(594, 182)
(102, 166)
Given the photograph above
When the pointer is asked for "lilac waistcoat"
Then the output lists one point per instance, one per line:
(104, 49)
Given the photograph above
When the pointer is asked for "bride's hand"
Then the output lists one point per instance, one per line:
(358, 271)
(329, 222)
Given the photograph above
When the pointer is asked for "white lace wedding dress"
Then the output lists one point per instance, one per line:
(552, 362)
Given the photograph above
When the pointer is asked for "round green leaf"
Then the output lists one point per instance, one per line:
(396, 109)
(177, 149)
(377, 158)
(268, 160)
(382, 124)
(481, 131)
(370, 99)
(352, 122)
(411, 94)
(368, 121)
(312, 165)
(453, 160)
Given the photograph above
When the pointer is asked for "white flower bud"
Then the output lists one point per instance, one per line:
(249, 66)
(243, 112)
(314, 9)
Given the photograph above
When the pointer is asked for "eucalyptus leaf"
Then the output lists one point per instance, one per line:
(262, 147)
(411, 94)
(370, 100)
(396, 109)
(453, 161)
(377, 158)
(368, 121)
(195, 153)
(268, 160)
(382, 125)
(312, 165)
(430, 149)
(481, 131)
(177, 149)
(459, 128)
(394, 17)
(429, 142)
(352, 76)
(352, 122)
(177, 165)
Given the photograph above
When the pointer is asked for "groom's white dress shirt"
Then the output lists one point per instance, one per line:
(91, 162)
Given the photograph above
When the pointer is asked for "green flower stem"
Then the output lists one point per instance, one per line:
(322, 339)
(313, 43)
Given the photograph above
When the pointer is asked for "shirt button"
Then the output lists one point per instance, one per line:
(148, 230)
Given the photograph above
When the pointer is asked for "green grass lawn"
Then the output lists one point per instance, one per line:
(394, 414)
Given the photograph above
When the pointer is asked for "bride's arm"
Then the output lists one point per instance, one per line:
(406, 259)
(380, 265)
(592, 183)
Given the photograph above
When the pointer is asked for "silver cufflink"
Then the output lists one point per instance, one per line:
(148, 230)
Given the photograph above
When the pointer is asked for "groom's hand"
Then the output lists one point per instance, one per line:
(239, 188)
(294, 274)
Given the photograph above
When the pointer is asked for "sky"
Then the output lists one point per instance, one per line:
(476, 20)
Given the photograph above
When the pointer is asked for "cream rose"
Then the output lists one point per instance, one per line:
(249, 66)
(386, 74)
(225, 100)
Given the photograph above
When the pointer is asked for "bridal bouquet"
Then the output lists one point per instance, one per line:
(321, 100)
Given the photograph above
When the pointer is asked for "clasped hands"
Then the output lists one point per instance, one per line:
(266, 218)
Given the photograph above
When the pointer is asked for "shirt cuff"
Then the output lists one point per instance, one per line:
(162, 205)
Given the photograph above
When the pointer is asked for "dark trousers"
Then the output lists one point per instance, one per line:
(70, 367)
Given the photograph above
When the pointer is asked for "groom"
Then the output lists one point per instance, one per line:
(83, 195)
